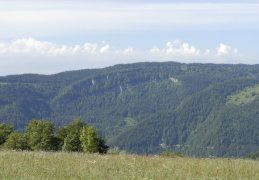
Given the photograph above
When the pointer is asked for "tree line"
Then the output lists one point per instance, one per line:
(43, 135)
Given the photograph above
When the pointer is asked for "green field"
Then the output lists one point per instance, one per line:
(60, 165)
(245, 96)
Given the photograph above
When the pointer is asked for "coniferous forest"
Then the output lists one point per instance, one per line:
(199, 110)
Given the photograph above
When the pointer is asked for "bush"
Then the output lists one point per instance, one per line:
(116, 151)
(254, 156)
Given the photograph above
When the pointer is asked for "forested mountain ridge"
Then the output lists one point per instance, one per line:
(154, 100)
(204, 124)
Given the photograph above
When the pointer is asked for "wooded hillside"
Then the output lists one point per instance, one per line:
(197, 109)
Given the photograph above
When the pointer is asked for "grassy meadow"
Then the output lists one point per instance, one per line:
(245, 96)
(62, 165)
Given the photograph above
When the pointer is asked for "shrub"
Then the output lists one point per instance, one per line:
(116, 151)
(254, 156)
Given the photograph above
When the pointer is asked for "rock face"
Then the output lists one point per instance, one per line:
(174, 80)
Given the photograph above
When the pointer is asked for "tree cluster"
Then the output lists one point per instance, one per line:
(42, 135)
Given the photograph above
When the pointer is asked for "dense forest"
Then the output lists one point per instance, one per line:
(197, 109)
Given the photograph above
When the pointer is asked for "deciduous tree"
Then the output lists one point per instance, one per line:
(41, 135)
(91, 141)
(17, 141)
(69, 136)
(5, 131)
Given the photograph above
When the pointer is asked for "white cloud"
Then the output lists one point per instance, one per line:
(129, 50)
(76, 49)
(88, 47)
(207, 51)
(27, 46)
(176, 48)
(32, 46)
(155, 50)
(105, 48)
(3, 47)
(33, 56)
(224, 49)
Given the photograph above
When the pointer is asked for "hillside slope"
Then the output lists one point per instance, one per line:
(204, 124)
(119, 99)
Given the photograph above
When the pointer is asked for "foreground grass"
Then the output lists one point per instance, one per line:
(60, 165)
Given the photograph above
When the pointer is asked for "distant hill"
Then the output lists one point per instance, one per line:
(197, 109)
(204, 124)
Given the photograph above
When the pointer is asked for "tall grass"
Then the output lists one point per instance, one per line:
(61, 165)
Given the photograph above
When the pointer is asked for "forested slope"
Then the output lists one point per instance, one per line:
(204, 124)
(123, 99)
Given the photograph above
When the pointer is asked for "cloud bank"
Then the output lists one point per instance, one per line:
(28, 55)
(176, 48)
(32, 46)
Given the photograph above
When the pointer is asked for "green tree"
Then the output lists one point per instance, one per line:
(41, 135)
(5, 131)
(102, 148)
(69, 137)
(17, 141)
(91, 141)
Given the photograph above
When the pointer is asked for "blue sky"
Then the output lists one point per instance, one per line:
(48, 37)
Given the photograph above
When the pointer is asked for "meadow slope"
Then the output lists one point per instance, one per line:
(60, 165)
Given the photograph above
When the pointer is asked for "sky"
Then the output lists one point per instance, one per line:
(47, 37)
